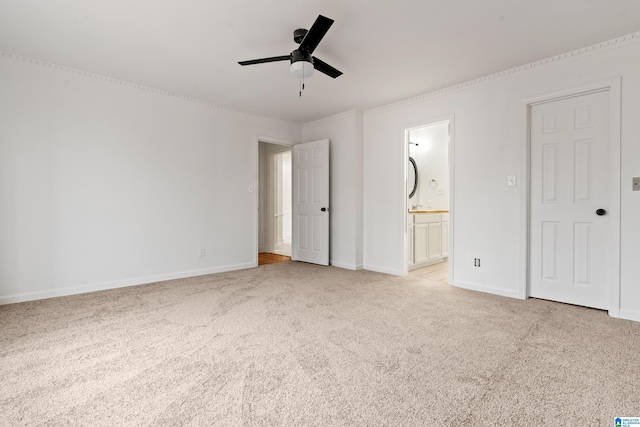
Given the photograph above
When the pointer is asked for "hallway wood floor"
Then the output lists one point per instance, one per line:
(267, 258)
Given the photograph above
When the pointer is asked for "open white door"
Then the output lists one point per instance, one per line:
(310, 172)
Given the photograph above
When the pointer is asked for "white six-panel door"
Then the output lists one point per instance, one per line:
(569, 183)
(310, 171)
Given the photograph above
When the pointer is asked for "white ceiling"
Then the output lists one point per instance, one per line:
(389, 50)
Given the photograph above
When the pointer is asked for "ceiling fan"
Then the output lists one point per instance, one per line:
(302, 61)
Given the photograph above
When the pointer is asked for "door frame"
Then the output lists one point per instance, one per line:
(287, 145)
(612, 86)
(451, 151)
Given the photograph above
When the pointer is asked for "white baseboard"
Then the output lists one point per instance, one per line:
(74, 290)
(487, 289)
(346, 265)
(630, 315)
(383, 270)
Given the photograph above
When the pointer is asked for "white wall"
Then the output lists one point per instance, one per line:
(344, 132)
(490, 140)
(104, 184)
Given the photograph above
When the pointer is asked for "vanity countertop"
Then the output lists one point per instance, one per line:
(427, 211)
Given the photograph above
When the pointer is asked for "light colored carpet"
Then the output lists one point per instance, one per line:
(300, 345)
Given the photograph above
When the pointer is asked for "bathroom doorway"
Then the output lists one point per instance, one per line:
(429, 199)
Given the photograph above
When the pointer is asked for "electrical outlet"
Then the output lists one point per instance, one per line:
(203, 251)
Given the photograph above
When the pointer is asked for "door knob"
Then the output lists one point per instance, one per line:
(600, 212)
(324, 209)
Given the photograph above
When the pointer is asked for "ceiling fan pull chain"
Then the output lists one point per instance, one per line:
(301, 85)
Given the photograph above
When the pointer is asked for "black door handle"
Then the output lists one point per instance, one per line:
(600, 212)
(324, 209)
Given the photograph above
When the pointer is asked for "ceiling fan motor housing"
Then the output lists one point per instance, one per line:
(297, 56)
(301, 64)
(298, 35)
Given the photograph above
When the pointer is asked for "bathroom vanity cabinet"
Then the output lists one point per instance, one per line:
(428, 241)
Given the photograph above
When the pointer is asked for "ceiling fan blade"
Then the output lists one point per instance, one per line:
(263, 60)
(325, 68)
(315, 34)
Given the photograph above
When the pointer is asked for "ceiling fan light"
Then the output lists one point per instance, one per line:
(301, 69)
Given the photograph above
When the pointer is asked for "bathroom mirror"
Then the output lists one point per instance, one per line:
(412, 178)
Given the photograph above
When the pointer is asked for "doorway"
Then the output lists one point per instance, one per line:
(301, 179)
(429, 199)
(274, 202)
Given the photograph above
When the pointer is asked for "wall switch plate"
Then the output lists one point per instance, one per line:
(636, 183)
(251, 189)
(203, 251)
(512, 180)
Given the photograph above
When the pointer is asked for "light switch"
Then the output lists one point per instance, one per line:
(512, 180)
(636, 184)
(251, 189)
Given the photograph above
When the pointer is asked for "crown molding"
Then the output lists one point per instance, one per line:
(617, 42)
(343, 115)
(37, 62)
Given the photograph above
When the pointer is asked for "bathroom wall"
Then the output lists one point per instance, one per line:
(432, 158)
